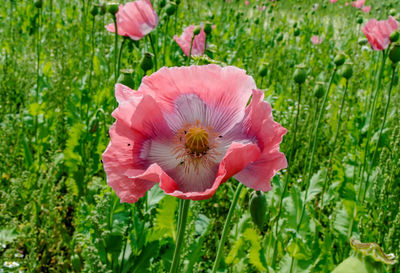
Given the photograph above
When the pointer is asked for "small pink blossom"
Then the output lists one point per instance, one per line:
(261, 8)
(316, 40)
(378, 32)
(246, 3)
(366, 9)
(135, 19)
(358, 4)
(185, 40)
(346, 4)
(189, 129)
(333, 1)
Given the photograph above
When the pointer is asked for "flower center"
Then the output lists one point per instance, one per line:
(197, 140)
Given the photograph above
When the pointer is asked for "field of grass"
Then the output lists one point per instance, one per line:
(57, 213)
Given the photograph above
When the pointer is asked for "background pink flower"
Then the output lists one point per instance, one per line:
(316, 40)
(185, 39)
(378, 32)
(135, 19)
(333, 1)
(189, 130)
(246, 3)
(366, 9)
(358, 4)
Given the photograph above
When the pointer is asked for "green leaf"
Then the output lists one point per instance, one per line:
(316, 184)
(7, 235)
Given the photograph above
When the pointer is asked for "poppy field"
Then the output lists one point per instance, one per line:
(199, 136)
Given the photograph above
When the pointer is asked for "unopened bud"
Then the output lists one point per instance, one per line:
(162, 3)
(394, 54)
(208, 28)
(300, 74)
(170, 9)
(339, 59)
(360, 20)
(196, 30)
(296, 32)
(319, 90)
(347, 71)
(394, 36)
(263, 70)
(363, 41)
(103, 9)
(39, 4)
(392, 12)
(258, 209)
(94, 11)
(147, 62)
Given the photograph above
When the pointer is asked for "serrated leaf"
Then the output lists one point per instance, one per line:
(255, 256)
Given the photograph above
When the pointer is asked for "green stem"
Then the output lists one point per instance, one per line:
(328, 173)
(226, 226)
(165, 40)
(184, 208)
(286, 183)
(190, 51)
(370, 119)
(120, 54)
(154, 51)
(380, 134)
(115, 49)
(322, 110)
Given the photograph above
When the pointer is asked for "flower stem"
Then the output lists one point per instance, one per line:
(370, 119)
(321, 111)
(328, 173)
(190, 51)
(380, 134)
(115, 50)
(154, 51)
(287, 176)
(120, 54)
(225, 229)
(184, 208)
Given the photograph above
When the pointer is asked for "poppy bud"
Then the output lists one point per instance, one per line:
(39, 4)
(112, 8)
(94, 11)
(162, 3)
(296, 32)
(319, 90)
(263, 70)
(258, 208)
(295, 25)
(103, 9)
(280, 37)
(177, 2)
(300, 74)
(339, 59)
(394, 54)
(146, 63)
(360, 20)
(392, 12)
(394, 36)
(94, 124)
(208, 28)
(347, 71)
(196, 30)
(170, 9)
(363, 41)
(126, 79)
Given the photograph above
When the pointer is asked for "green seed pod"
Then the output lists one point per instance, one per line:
(39, 4)
(258, 209)
(363, 41)
(300, 74)
(162, 3)
(340, 58)
(296, 32)
(170, 9)
(208, 28)
(126, 79)
(263, 70)
(360, 20)
(394, 54)
(196, 30)
(112, 8)
(347, 71)
(94, 11)
(146, 63)
(394, 36)
(319, 90)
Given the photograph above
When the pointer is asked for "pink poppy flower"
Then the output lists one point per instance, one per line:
(358, 4)
(316, 40)
(346, 4)
(366, 9)
(246, 3)
(185, 40)
(189, 130)
(378, 32)
(333, 1)
(135, 19)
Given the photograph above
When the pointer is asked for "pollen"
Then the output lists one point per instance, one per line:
(197, 140)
